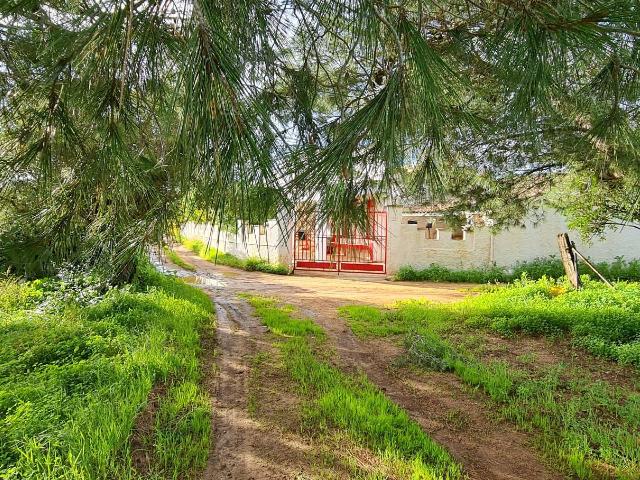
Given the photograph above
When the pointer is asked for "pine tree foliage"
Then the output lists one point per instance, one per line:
(118, 117)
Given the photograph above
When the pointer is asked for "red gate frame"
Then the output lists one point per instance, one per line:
(338, 265)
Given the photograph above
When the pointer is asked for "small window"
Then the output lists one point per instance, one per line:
(412, 222)
(302, 235)
(457, 234)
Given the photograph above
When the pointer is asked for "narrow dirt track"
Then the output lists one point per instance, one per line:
(243, 448)
(487, 449)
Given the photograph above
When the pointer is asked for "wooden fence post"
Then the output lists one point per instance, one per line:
(569, 259)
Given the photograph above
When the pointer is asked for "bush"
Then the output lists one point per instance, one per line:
(535, 269)
(74, 375)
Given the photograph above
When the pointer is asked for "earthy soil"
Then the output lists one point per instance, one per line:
(246, 449)
(243, 447)
(141, 442)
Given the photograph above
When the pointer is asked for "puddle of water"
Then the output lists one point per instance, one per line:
(204, 280)
(189, 277)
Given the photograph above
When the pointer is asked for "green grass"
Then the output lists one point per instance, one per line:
(250, 264)
(177, 260)
(619, 270)
(603, 321)
(352, 405)
(588, 427)
(73, 379)
(182, 430)
(438, 273)
(281, 320)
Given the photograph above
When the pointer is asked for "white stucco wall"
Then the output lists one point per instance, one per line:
(539, 240)
(271, 244)
(409, 245)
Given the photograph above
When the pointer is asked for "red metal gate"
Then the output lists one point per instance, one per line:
(320, 247)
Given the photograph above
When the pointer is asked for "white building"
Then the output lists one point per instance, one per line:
(416, 237)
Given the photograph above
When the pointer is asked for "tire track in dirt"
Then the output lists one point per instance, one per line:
(242, 448)
(487, 449)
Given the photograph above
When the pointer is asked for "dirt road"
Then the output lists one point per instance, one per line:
(488, 449)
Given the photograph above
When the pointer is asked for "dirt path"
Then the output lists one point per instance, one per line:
(445, 408)
(243, 449)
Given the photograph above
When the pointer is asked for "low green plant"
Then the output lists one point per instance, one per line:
(604, 321)
(251, 264)
(589, 428)
(177, 260)
(438, 273)
(73, 378)
(280, 319)
(183, 431)
(352, 405)
(618, 270)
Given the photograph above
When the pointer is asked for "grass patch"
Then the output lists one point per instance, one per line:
(352, 405)
(589, 428)
(280, 320)
(253, 398)
(73, 378)
(211, 254)
(619, 270)
(603, 321)
(183, 431)
(177, 260)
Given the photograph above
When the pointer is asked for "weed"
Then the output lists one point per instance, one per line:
(353, 405)
(73, 379)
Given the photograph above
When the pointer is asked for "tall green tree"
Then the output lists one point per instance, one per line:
(118, 114)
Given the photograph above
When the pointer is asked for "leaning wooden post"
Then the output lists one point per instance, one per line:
(569, 259)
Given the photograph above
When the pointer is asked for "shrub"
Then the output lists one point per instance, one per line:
(535, 269)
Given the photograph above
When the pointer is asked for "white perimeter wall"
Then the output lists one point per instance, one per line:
(270, 243)
(521, 244)
(409, 245)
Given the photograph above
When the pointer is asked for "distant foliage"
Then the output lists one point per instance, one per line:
(620, 269)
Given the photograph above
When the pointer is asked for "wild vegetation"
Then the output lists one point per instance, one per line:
(77, 366)
(211, 254)
(348, 404)
(621, 269)
(585, 424)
